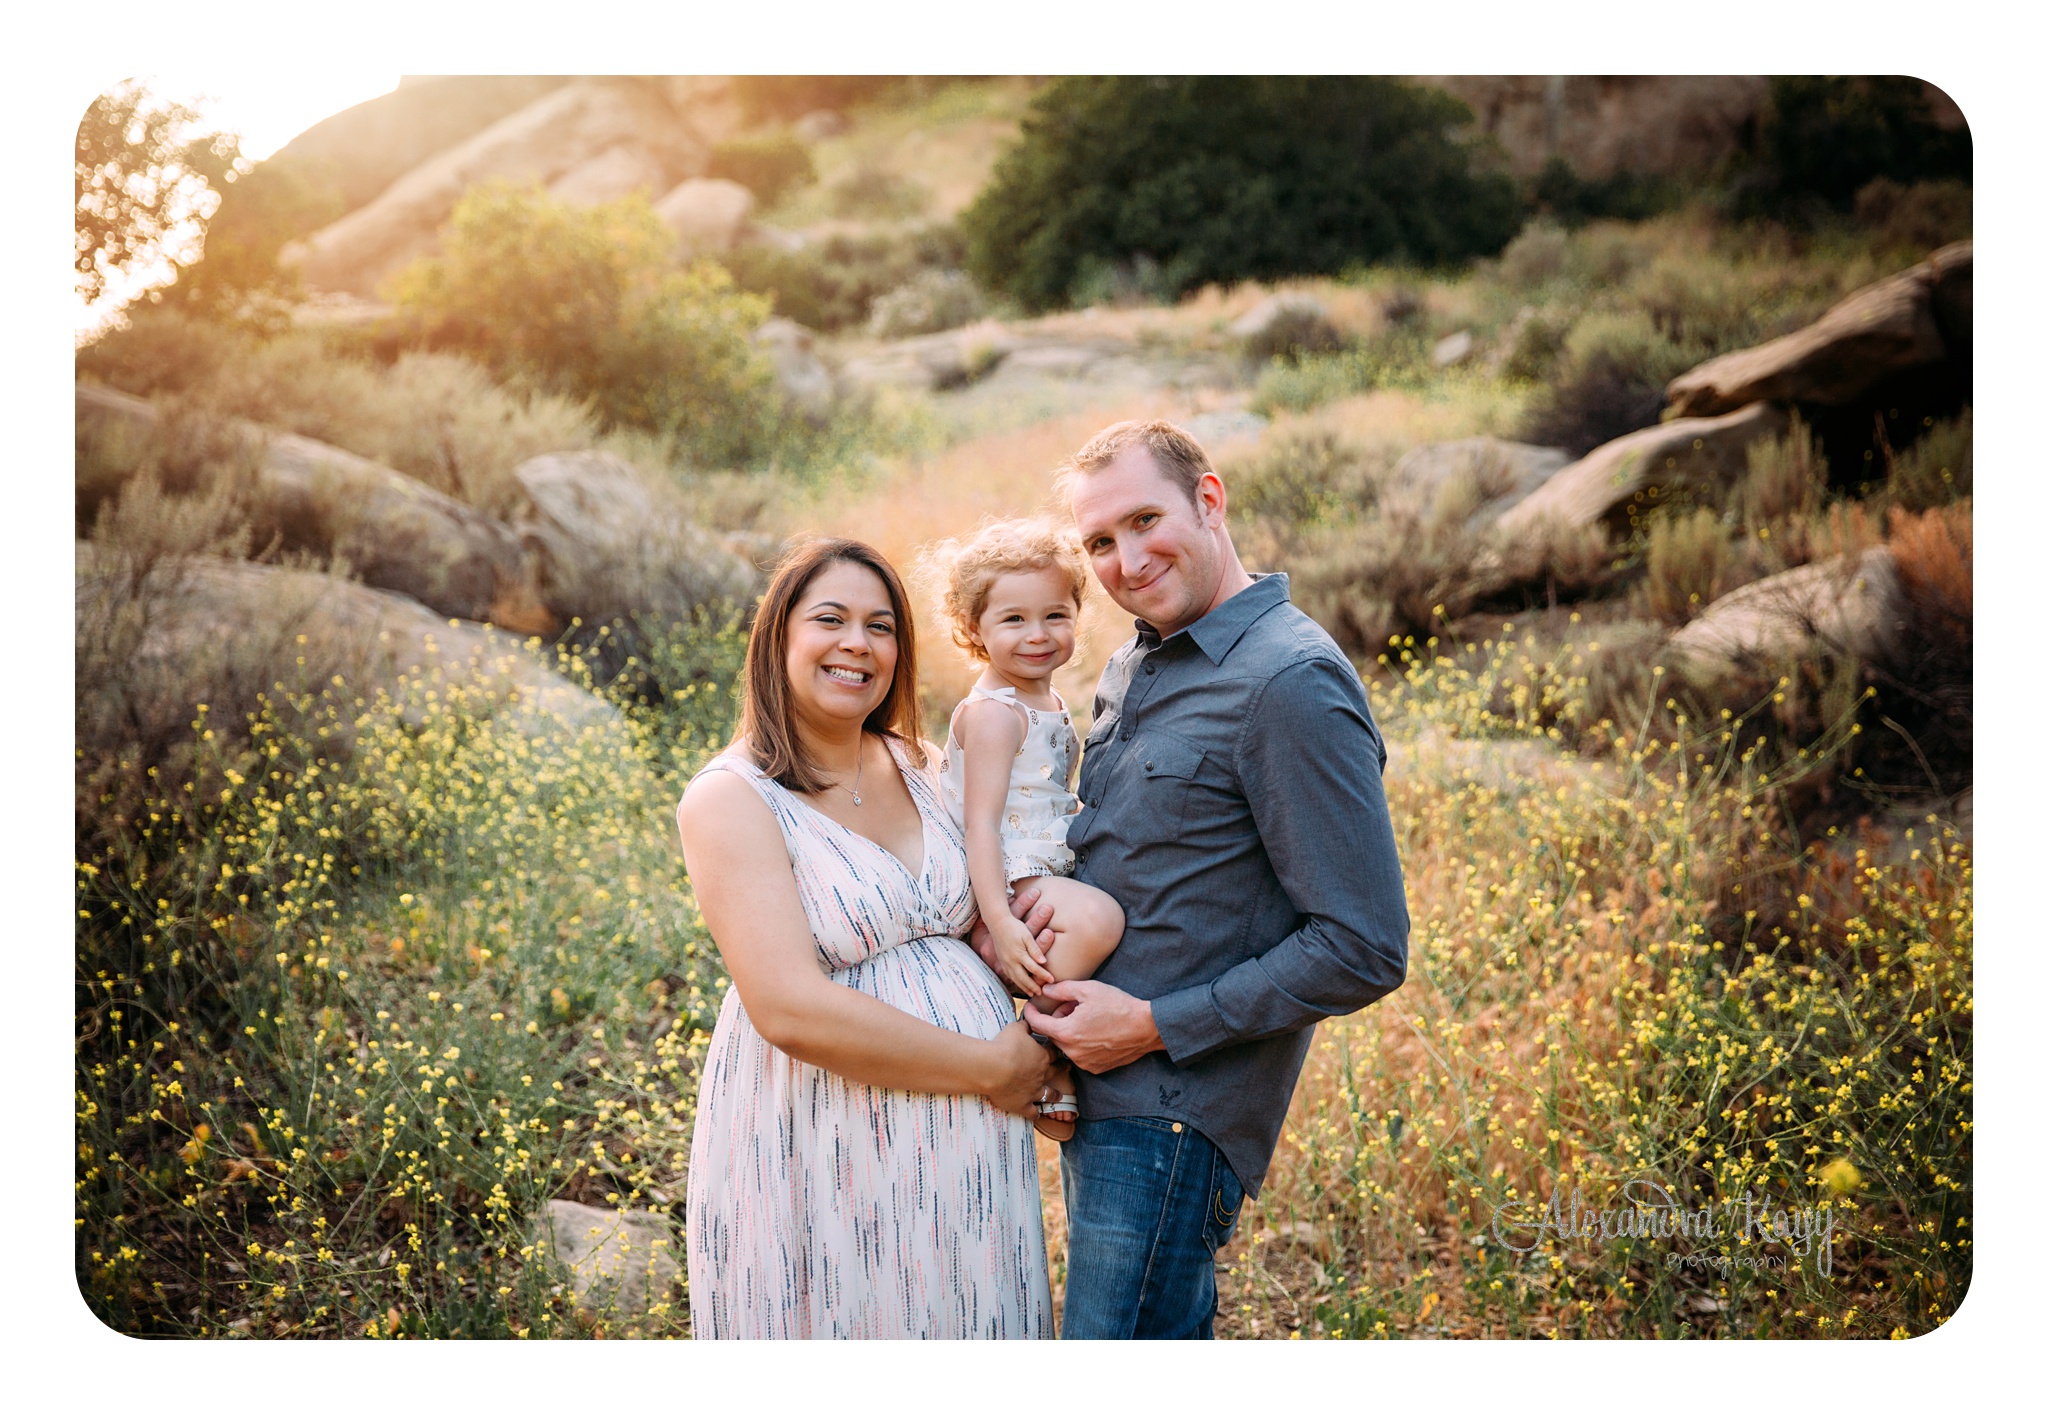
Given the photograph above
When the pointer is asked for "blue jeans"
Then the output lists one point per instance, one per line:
(1149, 1201)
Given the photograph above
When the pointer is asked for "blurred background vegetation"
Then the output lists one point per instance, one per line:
(423, 499)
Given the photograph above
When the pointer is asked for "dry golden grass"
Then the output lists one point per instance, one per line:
(915, 501)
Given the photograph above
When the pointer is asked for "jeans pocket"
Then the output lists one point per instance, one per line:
(1226, 1199)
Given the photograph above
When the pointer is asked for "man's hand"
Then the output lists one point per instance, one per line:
(1025, 904)
(1103, 1029)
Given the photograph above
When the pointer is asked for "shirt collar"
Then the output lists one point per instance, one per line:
(1218, 631)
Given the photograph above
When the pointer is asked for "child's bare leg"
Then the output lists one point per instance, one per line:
(1087, 925)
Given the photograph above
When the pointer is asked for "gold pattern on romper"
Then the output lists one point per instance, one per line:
(1045, 769)
(1016, 822)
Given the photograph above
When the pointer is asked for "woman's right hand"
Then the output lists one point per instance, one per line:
(1022, 1067)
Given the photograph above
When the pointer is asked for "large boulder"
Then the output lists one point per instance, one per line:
(196, 629)
(707, 213)
(624, 1259)
(545, 142)
(1882, 329)
(1649, 463)
(395, 533)
(1851, 604)
(606, 545)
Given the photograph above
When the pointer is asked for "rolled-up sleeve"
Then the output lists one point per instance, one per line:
(1309, 760)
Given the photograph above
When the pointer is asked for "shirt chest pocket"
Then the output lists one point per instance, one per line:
(1170, 767)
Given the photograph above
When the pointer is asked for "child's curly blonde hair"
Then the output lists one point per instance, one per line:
(959, 573)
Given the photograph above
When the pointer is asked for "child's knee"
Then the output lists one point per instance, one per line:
(1098, 917)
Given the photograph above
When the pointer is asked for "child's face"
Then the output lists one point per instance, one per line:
(1028, 626)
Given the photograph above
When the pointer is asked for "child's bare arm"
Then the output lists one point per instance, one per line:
(989, 734)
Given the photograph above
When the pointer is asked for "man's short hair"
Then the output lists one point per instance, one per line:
(1176, 453)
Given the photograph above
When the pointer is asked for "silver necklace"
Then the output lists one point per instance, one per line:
(860, 765)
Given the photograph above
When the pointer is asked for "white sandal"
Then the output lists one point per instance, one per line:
(1066, 1109)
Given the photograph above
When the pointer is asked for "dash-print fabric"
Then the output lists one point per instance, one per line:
(821, 1207)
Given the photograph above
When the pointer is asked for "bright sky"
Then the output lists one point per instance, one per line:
(270, 107)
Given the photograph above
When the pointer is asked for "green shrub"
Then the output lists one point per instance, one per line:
(1624, 196)
(831, 284)
(766, 164)
(926, 303)
(1297, 328)
(1610, 381)
(434, 416)
(873, 192)
(1821, 140)
(1936, 470)
(160, 348)
(1914, 217)
(1299, 481)
(1786, 480)
(1688, 563)
(1396, 359)
(588, 304)
(1537, 255)
(1223, 179)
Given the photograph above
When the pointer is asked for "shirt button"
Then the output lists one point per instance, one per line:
(1125, 734)
(1150, 666)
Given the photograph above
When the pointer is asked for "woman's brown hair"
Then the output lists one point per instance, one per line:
(768, 717)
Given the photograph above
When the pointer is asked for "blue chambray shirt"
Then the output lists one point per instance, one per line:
(1231, 802)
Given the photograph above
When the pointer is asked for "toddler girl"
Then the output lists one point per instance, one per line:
(1012, 597)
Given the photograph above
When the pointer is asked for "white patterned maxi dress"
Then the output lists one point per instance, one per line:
(822, 1207)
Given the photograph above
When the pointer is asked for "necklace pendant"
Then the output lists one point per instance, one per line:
(856, 798)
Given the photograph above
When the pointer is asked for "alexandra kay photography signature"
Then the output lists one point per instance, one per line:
(1648, 1211)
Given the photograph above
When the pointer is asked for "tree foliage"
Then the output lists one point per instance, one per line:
(146, 181)
(1820, 140)
(1187, 180)
(590, 302)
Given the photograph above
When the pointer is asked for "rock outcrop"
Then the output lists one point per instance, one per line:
(208, 621)
(1660, 459)
(605, 545)
(395, 533)
(360, 151)
(1915, 318)
(591, 135)
(1851, 604)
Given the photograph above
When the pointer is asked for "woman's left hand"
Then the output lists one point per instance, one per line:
(1023, 1071)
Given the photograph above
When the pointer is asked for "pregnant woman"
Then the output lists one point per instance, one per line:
(861, 1165)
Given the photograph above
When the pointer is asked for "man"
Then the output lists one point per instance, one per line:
(1231, 802)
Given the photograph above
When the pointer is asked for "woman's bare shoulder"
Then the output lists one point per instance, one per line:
(721, 793)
